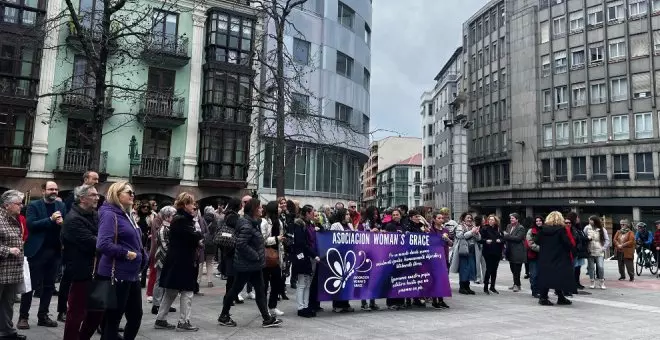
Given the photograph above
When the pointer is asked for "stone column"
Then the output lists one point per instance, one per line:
(46, 79)
(196, 76)
(636, 215)
(529, 212)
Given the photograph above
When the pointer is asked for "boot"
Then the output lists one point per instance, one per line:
(462, 289)
(492, 288)
(467, 288)
(486, 288)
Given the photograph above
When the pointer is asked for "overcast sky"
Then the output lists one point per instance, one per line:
(411, 41)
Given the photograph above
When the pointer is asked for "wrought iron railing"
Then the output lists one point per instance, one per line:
(15, 87)
(154, 166)
(168, 44)
(78, 160)
(14, 156)
(161, 104)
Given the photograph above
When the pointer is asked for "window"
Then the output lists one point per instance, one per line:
(580, 132)
(91, 12)
(343, 113)
(579, 168)
(637, 8)
(496, 175)
(545, 32)
(486, 55)
(561, 170)
(615, 11)
(598, 92)
(504, 141)
(545, 170)
(599, 167)
(561, 63)
(643, 125)
(576, 21)
(562, 133)
(617, 49)
(19, 69)
(429, 129)
(620, 127)
(594, 16)
(230, 39)
(656, 40)
(621, 166)
(656, 6)
(367, 34)
(224, 153)
(301, 50)
(547, 135)
(619, 89)
(25, 12)
(639, 45)
(503, 109)
(547, 100)
(561, 97)
(227, 97)
(83, 82)
(595, 54)
(644, 165)
(599, 130)
(641, 84)
(365, 124)
(506, 174)
(430, 150)
(156, 149)
(545, 65)
(579, 94)
(164, 30)
(345, 15)
(493, 52)
(299, 104)
(366, 80)
(559, 26)
(344, 65)
(577, 58)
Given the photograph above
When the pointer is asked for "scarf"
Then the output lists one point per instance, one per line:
(624, 230)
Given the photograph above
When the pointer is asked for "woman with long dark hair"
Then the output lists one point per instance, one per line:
(466, 254)
(370, 222)
(598, 242)
(231, 220)
(493, 244)
(438, 228)
(341, 221)
(273, 234)
(533, 253)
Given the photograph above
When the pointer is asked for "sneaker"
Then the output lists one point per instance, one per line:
(47, 322)
(393, 307)
(564, 302)
(276, 312)
(304, 313)
(592, 285)
(623, 278)
(240, 298)
(365, 308)
(436, 305)
(526, 276)
(545, 302)
(516, 289)
(272, 322)
(492, 289)
(512, 287)
(186, 327)
(61, 317)
(602, 285)
(150, 299)
(154, 310)
(225, 320)
(442, 304)
(23, 324)
(251, 296)
(374, 307)
(163, 324)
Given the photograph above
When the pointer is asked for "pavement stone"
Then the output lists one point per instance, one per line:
(508, 315)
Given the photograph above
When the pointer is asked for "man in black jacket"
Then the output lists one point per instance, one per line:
(79, 233)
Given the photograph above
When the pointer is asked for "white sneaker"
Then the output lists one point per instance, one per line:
(593, 284)
(150, 299)
(240, 297)
(251, 296)
(602, 285)
(276, 312)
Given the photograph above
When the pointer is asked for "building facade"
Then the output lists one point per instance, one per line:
(326, 145)
(401, 183)
(190, 120)
(383, 154)
(577, 126)
(445, 133)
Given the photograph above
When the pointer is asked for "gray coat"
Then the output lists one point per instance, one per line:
(515, 245)
(463, 232)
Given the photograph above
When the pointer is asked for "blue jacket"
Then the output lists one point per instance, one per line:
(38, 223)
(649, 238)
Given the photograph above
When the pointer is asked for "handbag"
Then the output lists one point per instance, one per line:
(102, 294)
(272, 258)
(463, 247)
(225, 237)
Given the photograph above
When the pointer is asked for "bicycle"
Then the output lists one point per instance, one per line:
(645, 259)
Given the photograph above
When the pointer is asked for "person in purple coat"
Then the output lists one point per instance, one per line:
(128, 257)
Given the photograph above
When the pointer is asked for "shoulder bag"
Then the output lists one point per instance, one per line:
(102, 294)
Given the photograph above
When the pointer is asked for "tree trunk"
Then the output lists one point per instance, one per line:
(99, 113)
(280, 142)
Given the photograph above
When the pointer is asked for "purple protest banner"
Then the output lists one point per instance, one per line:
(365, 265)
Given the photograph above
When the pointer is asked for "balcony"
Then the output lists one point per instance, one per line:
(166, 50)
(162, 110)
(14, 160)
(158, 170)
(93, 33)
(72, 163)
(79, 103)
(417, 180)
(19, 91)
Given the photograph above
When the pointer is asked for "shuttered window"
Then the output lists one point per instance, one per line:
(641, 83)
(639, 45)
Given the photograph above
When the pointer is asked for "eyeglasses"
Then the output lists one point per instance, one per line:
(567, 222)
(130, 192)
(353, 206)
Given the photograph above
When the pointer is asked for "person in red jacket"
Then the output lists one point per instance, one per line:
(533, 253)
(24, 229)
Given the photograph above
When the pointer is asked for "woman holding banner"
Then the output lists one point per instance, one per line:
(437, 227)
(466, 255)
(341, 221)
(370, 222)
(395, 226)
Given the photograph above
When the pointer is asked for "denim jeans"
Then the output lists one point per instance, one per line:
(302, 290)
(599, 261)
(158, 290)
(533, 275)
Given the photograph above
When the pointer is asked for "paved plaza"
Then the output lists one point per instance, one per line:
(626, 310)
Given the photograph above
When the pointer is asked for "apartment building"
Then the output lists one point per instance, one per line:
(401, 183)
(572, 124)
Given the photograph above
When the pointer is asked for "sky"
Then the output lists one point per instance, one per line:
(410, 43)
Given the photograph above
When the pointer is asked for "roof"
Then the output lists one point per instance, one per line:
(414, 160)
(454, 56)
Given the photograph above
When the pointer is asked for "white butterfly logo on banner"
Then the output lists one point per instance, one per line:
(344, 267)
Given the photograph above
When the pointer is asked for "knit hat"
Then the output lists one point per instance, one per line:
(641, 225)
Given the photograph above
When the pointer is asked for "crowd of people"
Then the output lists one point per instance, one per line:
(261, 248)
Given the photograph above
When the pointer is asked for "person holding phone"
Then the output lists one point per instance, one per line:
(466, 255)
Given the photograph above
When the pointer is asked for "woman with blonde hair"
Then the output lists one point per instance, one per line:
(555, 259)
(122, 259)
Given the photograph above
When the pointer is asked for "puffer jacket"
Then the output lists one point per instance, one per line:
(249, 255)
(596, 245)
(533, 247)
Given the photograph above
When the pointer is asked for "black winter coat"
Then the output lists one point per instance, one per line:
(302, 254)
(555, 267)
(394, 227)
(581, 242)
(493, 234)
(180, 268)
(231, 219)
(249, 255)
(79, 232)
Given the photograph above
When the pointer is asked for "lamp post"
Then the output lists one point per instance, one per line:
(133, 157)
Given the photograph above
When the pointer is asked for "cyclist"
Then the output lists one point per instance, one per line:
(656, 240)
(644, 239)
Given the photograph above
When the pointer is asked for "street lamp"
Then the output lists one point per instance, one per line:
(133, 157)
